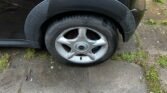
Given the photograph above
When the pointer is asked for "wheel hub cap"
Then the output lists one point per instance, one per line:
(81, 46)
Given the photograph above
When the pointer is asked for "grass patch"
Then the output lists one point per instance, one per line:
(162, 61)
(164, 22)
(156, 22)
(153, 82)
(44, 55)
(4, 61)
(138, 56)
(30, 54)
(151, 22)
(159, 1)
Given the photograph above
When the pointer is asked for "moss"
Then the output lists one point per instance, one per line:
(44, 55)
(4, 61)
(153, 82)
(164, 22)
(162, 61)
(151, 22)
(159, 1)
(156, 22)
(30, 54)
(139, 55)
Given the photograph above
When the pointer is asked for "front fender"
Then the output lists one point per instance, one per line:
(34, 20)
(114, 9)
(49, 8)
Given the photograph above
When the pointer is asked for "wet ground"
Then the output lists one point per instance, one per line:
(40, 75)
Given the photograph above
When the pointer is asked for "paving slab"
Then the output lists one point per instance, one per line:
(129, 46)
(11, 80)
(163, 78)
(38, 77)
(153, 38)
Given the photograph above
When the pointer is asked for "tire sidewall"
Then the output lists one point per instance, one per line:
(95, 23)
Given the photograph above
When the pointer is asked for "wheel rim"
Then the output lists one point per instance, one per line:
(81, 45)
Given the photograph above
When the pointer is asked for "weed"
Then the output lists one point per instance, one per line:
(153, 82)
(30, 54)
(159, 1)
(164, 22)
(151, 22)
(156, 22)
(137, 56)
(162, 61)
(44, 55)
(4, 61)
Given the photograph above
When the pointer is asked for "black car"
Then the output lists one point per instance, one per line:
(73, 31)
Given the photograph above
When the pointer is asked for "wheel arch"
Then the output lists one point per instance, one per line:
(40, 18)
(58, 17)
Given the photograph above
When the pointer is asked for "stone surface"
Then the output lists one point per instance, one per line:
(153, 38)
(109, 77)
(163, 78)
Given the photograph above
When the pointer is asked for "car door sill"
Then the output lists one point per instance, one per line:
(17, 43)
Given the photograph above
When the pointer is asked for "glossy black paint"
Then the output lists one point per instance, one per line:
(13, 14)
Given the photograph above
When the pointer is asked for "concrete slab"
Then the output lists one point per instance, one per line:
(163, 78)
(11, 80)
(38, 77)
(153, 38)
(129, 46)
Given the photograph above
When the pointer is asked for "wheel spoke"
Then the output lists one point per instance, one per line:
(82, 33)
(100, 42)
(65, 41)
(91, 55)
(70, 55)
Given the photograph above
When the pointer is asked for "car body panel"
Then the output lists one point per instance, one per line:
(40, 14)
(13, 14)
